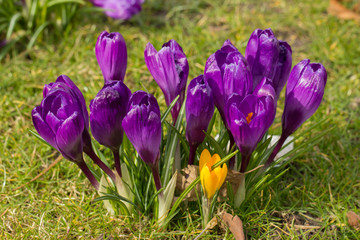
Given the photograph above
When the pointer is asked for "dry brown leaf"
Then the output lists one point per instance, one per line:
(353, 219)
(338, 10)
(235, 225)
(187, 176)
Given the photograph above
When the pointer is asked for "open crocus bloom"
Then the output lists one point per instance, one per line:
(211, 180)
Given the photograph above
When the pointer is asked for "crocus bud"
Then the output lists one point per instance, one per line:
(111, 54)
(119, 9)
(170, 69)
(227, 72)
(262, 54)
(248, 120)
(107, 111)
(304, 92)
(61, 118)
(142, 125)
(211, 179)
(199, 109)
(283, 67)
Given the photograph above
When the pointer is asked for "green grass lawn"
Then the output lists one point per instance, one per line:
(309, 201)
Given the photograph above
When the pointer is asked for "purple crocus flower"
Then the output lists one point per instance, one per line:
(199, 109)
(262, 54)
(304, 93)
(107, 111)
(170, 69)
(111, 54)
(268, 57)
(248, 120)
(142, 125)
(119, 9)
(62, 120)
(227, 72)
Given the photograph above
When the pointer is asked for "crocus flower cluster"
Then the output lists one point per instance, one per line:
(119, 9)
(245, 91)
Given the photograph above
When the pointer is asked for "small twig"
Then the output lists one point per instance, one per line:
(212, 223)
(304, 227)
(4, 212)
(260, 166)
(58, 159)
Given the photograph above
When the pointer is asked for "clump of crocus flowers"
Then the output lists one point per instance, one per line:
(244, 90)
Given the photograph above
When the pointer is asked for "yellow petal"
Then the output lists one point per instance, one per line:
(221, 173)
(209, 181)
(204, 158)
(216, 158)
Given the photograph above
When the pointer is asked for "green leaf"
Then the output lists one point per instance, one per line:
(55, 2)
(12, 24)
(168, 110)
(170, 151)
(36, 35)
(40, 138)
(218, 148)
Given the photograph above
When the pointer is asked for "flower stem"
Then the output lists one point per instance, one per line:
(156, 176)
(116, 154)
(192, 154)
(232, 160)
(244, 162)
(277, 148)
(90, 152)
(205, 210)
(84, 168)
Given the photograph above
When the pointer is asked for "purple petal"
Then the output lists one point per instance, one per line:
(69, 137)
(42, 127)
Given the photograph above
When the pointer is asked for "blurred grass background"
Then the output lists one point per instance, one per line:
(317, 191)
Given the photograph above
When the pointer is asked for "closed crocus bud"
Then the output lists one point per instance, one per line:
(227, 72)
(107, 111)
(262, 54)
(170, 69)
(283, 67)
(111, 54)
(119, 9)
(142, 125)
(60, 120)
(211, 179)
(248, 120)
(199, 109)
(304, 92)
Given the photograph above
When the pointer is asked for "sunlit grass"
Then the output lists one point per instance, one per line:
(318, 189)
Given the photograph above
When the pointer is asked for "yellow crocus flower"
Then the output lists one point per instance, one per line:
(211, 180)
